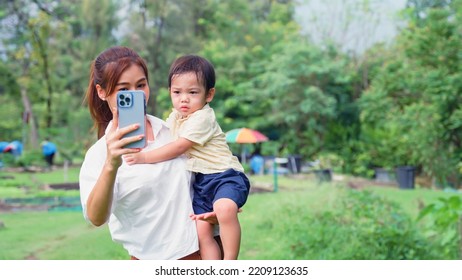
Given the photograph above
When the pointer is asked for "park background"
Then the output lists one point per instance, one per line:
(322, 79)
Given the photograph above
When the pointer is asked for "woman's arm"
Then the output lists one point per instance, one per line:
(99, 201)
(169, 151)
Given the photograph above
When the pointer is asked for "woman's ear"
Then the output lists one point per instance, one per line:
(101, 92)
(210, 95)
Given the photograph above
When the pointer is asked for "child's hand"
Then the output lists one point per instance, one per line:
(135, 158)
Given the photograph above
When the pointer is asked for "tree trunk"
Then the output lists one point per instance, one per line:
(29, 118)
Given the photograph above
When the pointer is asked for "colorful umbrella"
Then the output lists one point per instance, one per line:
(245, 135)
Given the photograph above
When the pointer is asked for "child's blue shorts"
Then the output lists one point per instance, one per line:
(208, 188)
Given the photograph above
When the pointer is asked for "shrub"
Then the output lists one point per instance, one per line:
(31, 158)
(363, 227)
(445, 227)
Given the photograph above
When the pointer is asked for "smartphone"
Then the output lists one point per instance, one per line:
(131, 105)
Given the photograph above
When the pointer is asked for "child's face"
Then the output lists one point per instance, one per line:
(188, 93)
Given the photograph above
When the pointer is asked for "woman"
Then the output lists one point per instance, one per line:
(146, 206)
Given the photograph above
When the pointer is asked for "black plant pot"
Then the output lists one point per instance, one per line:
(405, 177)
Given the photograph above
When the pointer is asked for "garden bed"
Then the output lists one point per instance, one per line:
(40, 204)
(65, 186)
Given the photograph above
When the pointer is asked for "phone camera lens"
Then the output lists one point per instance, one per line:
(127, 99)
(122, 103)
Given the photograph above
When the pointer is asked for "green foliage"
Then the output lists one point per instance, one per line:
(416, 122)
(363, 226)
(446, 218)
(332, 222)
(330, 161)
(10, 109)
(306, 89)
(246, 41)
(393, 105)
(242, 37)
(11, 119)
(31, 158)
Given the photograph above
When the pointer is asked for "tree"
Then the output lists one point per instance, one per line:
(161, 31)
(272, 79)
(415, 98)
(10, 112)
(49, 46)
(16, 50)
(419, 8)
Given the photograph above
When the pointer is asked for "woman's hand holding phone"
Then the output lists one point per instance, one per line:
(116, 142)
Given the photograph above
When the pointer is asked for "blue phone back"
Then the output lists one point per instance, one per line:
(132, 109)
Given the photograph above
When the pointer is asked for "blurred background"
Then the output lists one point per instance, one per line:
(363, 89)
(308, 74)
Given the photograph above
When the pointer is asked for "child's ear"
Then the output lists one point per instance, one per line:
(210, 95)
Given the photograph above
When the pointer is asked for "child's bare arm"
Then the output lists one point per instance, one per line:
(169, 151)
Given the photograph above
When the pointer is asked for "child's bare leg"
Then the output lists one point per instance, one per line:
(208, 246)
(230, 229)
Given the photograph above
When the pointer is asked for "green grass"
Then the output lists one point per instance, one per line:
(59, 176)
(263, 213)
(266, 219)
(30, 184)
(55, 236)
(50, 235)
(411, 200)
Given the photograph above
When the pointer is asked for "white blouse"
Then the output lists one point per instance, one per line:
(151, 202)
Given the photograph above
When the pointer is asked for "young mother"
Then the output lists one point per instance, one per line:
(147, 206)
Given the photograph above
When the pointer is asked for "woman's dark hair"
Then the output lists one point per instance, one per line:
(193, 63)
(105, 71)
